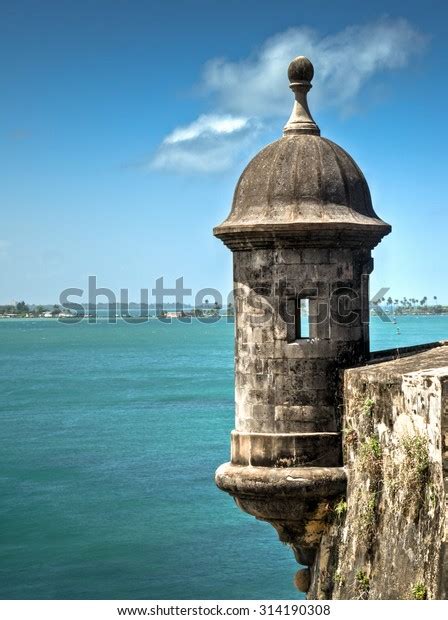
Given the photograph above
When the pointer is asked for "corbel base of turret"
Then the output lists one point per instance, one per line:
(296, 501)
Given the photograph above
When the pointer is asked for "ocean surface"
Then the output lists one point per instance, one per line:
(110, 438)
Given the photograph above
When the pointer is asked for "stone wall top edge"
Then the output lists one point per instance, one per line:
(431, 358)
(385, 355)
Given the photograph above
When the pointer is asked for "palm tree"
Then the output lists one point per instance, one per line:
(22, 307)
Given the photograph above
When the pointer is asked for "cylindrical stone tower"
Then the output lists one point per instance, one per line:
(301, 230)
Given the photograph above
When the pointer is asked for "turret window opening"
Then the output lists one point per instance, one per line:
(302, 319)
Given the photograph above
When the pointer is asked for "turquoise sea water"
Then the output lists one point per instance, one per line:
(110, 438)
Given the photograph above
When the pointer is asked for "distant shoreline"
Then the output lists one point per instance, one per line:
(153, 316)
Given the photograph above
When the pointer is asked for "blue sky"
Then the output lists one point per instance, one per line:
(124, 126)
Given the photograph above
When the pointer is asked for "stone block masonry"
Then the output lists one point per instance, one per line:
(388, 536)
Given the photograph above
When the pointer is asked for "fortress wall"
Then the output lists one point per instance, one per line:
(387, 538)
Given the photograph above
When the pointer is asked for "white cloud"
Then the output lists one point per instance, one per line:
(209, 144)
(250, 90)
(207, 125)
(343, 63)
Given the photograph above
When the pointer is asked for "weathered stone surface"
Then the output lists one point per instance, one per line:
(294, 500)
(273, 370)
(301, 183)
(317, 449)
(302, 579)
(388, 537)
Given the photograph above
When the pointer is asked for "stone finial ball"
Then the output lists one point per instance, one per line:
(300, 70)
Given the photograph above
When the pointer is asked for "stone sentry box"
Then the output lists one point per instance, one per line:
(287, 385)
(301, 227)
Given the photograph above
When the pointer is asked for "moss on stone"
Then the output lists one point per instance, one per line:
(368, 406)
(369, 457)
(419, 592)
(340, 507)
(338, 578)
(367, 518)
(362, 584)
(414, 471)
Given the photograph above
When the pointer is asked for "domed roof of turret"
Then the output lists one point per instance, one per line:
(302, 188)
